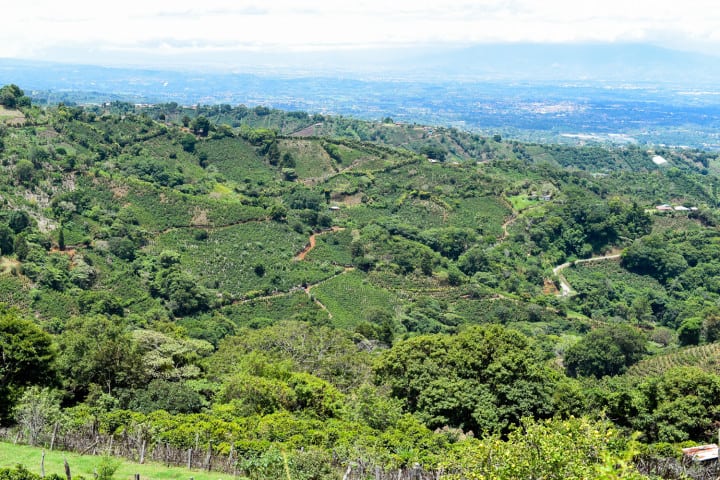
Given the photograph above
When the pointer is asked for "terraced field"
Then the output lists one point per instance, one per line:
(706, 357)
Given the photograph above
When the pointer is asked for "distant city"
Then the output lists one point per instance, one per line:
(598, 109)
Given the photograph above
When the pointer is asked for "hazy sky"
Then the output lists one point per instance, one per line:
(97, 30)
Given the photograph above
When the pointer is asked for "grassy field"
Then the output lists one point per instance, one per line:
(84, 465)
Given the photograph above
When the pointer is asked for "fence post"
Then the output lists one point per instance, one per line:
(189, 459)
(42, 464)
(54, 435)
(67, 469)
(142, 452)
(208, 457)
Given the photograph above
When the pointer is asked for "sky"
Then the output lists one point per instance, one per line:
(100, 32)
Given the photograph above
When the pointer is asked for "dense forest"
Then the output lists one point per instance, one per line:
(313, 297)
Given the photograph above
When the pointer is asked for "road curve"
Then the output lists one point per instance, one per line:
(565, 288)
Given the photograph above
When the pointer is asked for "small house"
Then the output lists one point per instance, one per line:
(664, 208)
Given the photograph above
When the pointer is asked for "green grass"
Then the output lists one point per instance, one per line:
(521, 202)
(85, 465)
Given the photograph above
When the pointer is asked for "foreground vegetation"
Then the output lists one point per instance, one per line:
(302, 304)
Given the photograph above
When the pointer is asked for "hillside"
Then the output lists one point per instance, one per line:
(252, 282)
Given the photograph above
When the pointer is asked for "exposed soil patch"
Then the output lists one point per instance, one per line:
(308, 131)
(312, 242)
(199, 218)
(8, 265)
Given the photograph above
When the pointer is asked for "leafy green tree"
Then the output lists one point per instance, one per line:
(540, 449)
(711, 327)
(98, 350)
(37, 411)
(172, 397)
(27, 358)
(183, 293)
(681, 404)
(201, 126)
(252, 394)
(655, 257)
(19, 221)
(188, 142)
(690, 331)
(11, 96)
(609, 350)
(25, 171)
(7, 240)
(484, 379)
(107, 468)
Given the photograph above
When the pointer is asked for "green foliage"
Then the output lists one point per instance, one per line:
(655, 257)
(484, 379)
(20, 472)
(553, 449)
(98, 350)
(180, 293)
(609, 350)
(11, 96)
(26, 358)
(352, 297)
(107, 468)
(37, 411)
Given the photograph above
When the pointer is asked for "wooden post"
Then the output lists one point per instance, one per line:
(67, 469)
(54, 435)
(189, 461)
(42, 464)
(137, 476)
(208, 457)
(142, 452)
(347, 473)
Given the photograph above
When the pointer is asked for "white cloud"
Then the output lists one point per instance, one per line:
(36, 27)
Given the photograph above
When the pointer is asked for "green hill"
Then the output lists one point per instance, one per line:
(312, 292)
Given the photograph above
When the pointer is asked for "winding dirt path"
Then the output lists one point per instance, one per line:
(312, 241)
(565, 287)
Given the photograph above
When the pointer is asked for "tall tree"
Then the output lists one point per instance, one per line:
(27, 358)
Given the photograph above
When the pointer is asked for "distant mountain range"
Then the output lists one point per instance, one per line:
(492, 62)
(532, 92)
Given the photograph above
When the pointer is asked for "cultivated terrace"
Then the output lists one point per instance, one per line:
(276, 294)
